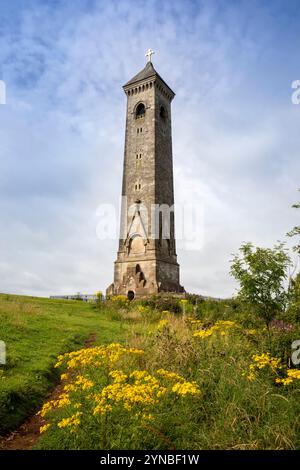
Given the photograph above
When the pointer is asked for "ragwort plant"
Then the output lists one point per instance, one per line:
(183, 382)
(109, 402)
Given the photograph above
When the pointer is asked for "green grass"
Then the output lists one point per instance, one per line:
(35, 331)
(231, 411)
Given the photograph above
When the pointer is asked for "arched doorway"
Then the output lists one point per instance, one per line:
(130, 295)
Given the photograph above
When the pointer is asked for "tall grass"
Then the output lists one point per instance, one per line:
(230, 412)
(35, 331)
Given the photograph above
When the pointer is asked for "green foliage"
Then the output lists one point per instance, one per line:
(282, 338)
(293, 312)
(261, 273)
(118, 301)
(212, 310)
(35, 331)
(99, 299)
(194, 299)
(296, 230)
(232, 411)
(116, 397)
(163, 302)
(234, 309)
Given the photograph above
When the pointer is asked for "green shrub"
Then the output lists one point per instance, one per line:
(293, 310)
(163, 302)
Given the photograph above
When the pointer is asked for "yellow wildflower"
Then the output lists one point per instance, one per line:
(63, 400)
(186, 388)
(251, 331)
(261, 361)
(169, 375)
(73, 420)
(225, 324)
(83, 382)
(147, 417)
(118, 376)
(265, 359)
(292, 374)
(44, 428)
(162, 325)
(203, 333)
(96, 357)
(46, 408)
(69, 388)
(251, 376)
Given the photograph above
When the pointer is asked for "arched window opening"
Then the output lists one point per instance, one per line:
(140, 111)
(162, 113)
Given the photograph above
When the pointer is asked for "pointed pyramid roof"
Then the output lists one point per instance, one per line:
(147, 72)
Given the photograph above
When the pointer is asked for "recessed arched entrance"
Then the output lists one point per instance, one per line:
(130, 295)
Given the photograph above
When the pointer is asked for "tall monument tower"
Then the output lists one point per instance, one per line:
(146, 262)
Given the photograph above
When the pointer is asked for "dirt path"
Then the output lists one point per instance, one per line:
(29, 432)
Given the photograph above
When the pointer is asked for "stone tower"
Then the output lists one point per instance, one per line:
(146, 262)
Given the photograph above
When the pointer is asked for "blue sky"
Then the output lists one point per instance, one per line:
(236, 138)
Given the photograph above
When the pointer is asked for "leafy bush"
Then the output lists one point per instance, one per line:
(261, 273)
(293, 311)
(163, 302)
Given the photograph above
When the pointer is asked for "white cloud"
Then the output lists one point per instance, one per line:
(235, 134)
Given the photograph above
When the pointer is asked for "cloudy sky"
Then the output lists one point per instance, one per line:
(236, 138)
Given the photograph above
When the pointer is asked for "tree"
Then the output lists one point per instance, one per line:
(261, 273)
(294, 303)
(296, 230)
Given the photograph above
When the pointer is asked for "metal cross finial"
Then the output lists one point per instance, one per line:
(149, 53)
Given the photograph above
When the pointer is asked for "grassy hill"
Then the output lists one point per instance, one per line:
(35, 331)
(187, 374)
